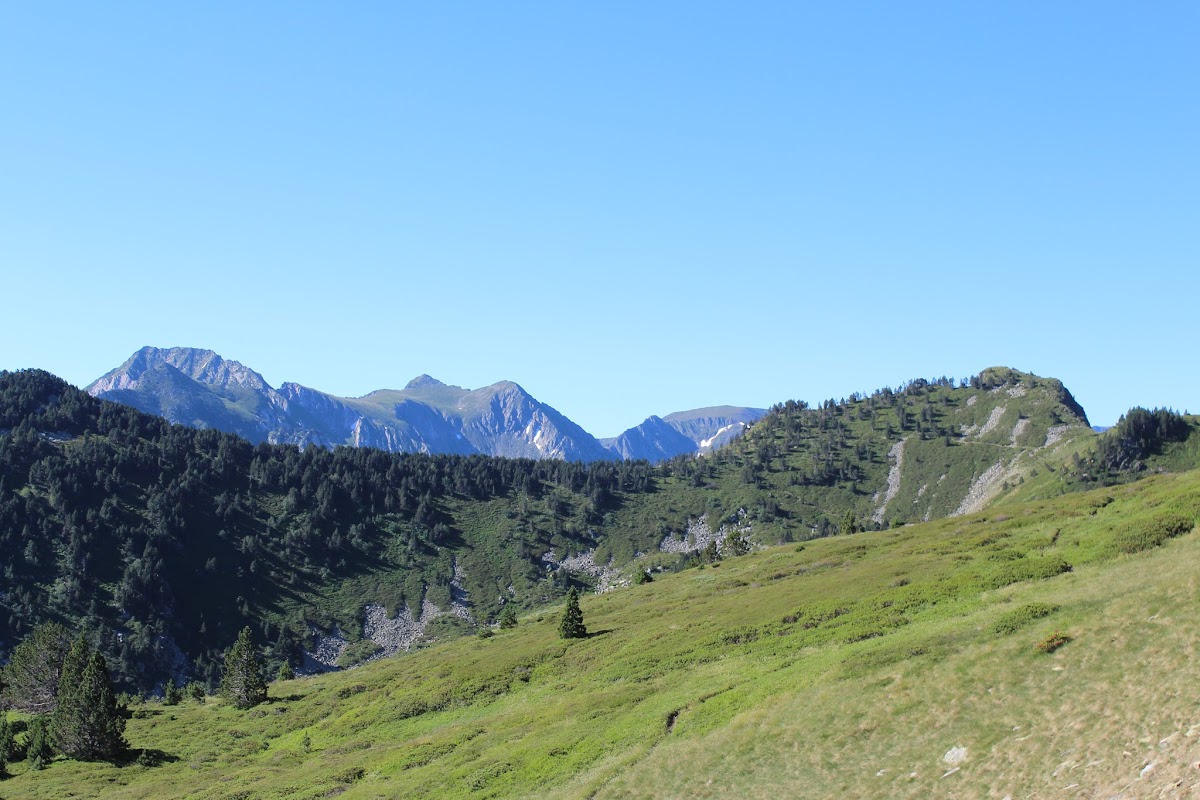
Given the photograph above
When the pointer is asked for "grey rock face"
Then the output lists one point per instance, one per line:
(701, 430)
(654, 440)
(199, 388)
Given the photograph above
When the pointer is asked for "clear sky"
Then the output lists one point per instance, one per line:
(628, 208)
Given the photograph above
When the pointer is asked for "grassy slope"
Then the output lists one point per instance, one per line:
(936, 474)
(847, 667)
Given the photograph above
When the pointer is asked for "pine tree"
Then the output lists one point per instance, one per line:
(736, 544)
(286, 673)
(64, 722)
(73, 664)
(508, 618)
(571, 626)
(38, 750)
(243, 681)
(6, 742)
(88, 724)
(32, 675)
(172, 693)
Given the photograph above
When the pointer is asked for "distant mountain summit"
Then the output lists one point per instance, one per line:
(201, 389)
(701, 430)
(196, 388)
(422, 381)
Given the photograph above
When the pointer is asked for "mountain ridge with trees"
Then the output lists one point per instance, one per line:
(113, 520)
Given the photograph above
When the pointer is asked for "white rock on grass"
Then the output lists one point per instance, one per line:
(955, 756)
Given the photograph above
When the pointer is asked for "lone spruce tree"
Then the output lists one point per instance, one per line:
(508, 618)
(6, 742)
(88, 724)
(571, 625)
(243, 681)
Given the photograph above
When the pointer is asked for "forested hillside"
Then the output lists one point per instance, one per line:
(162, 542)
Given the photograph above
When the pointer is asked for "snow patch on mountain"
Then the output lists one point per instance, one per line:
(724, 434)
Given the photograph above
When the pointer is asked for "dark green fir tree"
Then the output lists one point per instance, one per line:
(571, 625)
(87, 725)
(243, 682)
(6, 742)
(38, 749)
(508, 618)
(172, 693)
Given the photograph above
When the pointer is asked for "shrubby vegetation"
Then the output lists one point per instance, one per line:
(1019, 618)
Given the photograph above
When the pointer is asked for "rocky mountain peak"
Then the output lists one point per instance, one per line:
(198, 387)
(200, 365)
(423, 382)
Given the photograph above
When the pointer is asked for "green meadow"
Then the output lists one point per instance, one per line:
(898, 663)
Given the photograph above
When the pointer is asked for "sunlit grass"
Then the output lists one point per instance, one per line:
(844, 667)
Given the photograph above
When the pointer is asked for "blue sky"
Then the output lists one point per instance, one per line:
(628, 208)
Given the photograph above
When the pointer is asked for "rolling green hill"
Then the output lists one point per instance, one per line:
(897, 663)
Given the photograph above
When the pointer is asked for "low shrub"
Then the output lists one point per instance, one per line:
(1148, 533)
(1018, 618)
(1025, 569)
(1052, 642)
(744, 635)
(351, 775)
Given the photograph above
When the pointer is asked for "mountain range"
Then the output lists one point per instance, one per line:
(169, 539)
(201, 389)
(977, 553)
